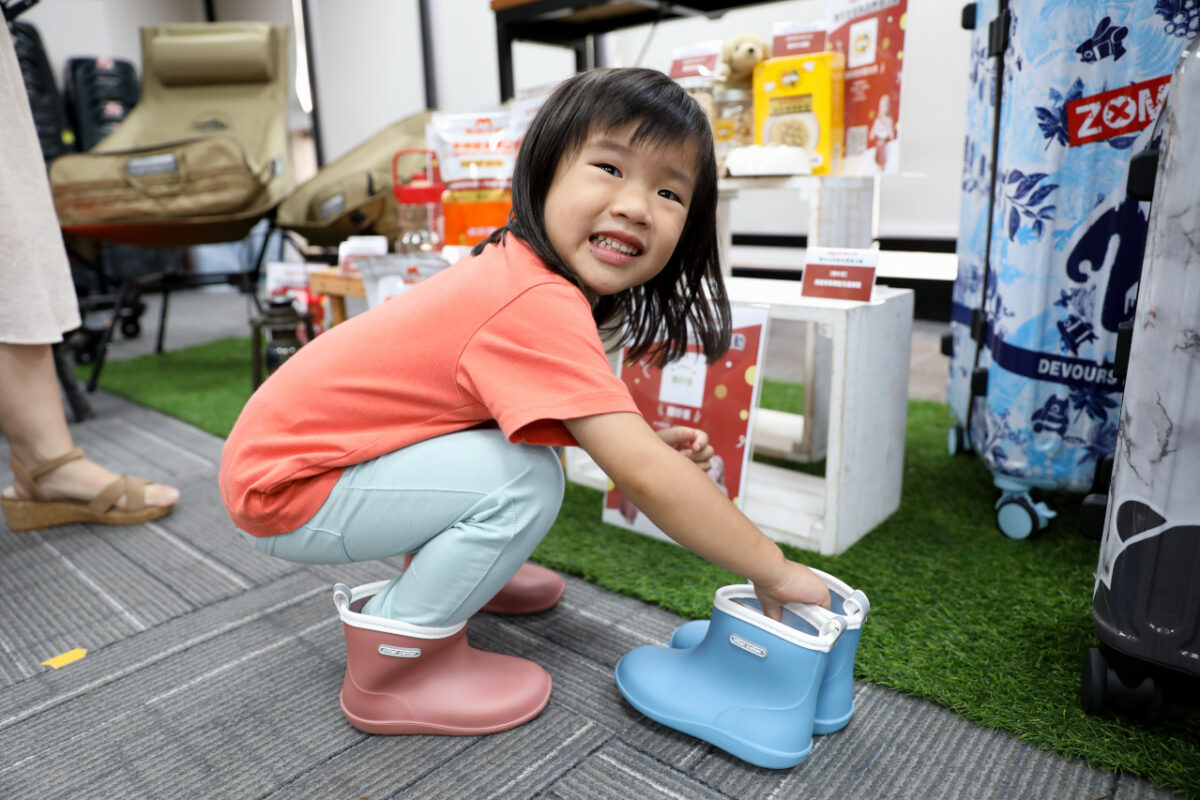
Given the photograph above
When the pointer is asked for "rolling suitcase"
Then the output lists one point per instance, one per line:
(45, 101)
(974, 216)
(99, 93)
(1041, 293)
(1146, 602)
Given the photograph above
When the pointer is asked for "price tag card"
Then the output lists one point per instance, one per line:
(839, 273)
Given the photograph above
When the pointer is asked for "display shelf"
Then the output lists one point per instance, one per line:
(862, 430)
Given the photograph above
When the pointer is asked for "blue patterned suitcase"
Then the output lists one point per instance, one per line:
(974, 217)
(1042, 290)
(1146, 603)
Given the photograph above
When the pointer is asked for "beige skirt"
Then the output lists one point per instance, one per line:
(37, 298)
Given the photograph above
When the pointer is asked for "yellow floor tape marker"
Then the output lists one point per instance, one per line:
(69, 657)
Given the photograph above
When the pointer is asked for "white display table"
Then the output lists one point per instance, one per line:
(863, 358)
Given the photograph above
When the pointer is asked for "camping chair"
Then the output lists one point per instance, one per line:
(200, 159)
(353, 195)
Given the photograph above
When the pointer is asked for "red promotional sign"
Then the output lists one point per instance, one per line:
(797, 44)
(839, 274)
(797, 38)
(718, 398)
(870, 34)
(703, 64)
(1117, 112)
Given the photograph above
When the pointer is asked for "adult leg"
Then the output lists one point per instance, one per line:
(33, 421)
(38, 303)
(470, 506)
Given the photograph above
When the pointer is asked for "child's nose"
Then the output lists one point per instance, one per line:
(633, 206)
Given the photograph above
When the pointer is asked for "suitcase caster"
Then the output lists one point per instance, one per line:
(956, 440)
(1093, 688)
(131, 320)
(1017, 516)
(1102, 687)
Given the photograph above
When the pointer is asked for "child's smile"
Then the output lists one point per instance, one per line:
(614, 211)
(616, 247)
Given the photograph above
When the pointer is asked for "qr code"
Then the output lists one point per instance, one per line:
(856, 140)
(737, 341)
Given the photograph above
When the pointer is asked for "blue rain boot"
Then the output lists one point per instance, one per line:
(749, 687)
(835, 701)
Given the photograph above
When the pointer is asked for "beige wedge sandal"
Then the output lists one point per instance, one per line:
(38, 511)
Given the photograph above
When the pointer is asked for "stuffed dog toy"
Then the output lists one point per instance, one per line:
(739, 54)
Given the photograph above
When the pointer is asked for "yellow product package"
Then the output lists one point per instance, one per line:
(798, 101)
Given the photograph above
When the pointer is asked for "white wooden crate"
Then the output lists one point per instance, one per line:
(864, 422)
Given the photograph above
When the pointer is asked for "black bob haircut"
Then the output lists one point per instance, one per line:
(688, 295)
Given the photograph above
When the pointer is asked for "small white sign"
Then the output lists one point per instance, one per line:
(683, 381)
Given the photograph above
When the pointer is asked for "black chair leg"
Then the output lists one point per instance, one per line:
(162, 321)
(125, 299)
(81, 409)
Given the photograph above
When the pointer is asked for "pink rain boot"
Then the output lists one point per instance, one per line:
(534, 588)
(531, 590)
(403, 678)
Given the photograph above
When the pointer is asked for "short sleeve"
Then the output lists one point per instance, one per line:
(539, 361)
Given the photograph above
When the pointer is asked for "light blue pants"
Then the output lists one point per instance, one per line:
(470, 506)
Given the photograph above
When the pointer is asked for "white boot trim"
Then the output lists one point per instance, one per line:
(854, 602)
(829, 626)
(343, 596)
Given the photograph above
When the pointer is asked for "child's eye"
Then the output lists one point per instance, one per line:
(609, 168)
(667, 193)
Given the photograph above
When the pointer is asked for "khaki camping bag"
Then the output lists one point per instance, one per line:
(353, 195)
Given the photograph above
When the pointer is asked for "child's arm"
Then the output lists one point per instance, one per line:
(680, 499)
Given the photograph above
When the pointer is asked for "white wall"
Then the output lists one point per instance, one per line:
(367, 55)
(370, 73)
(81, 28)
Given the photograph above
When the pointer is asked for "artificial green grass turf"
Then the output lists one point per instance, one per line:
(205, 386)
(992, 628)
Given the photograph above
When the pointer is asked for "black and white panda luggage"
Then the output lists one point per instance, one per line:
(1146, 602)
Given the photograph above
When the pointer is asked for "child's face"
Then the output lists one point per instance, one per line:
(614, 212)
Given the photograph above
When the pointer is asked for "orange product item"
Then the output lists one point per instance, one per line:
(472, 213)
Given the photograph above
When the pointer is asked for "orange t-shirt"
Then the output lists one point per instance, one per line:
(495, 339)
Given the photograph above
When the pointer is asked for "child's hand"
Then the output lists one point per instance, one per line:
(797, 584)
(692, 442)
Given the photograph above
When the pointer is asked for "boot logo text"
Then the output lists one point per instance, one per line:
(750, 647)
(399, 652)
